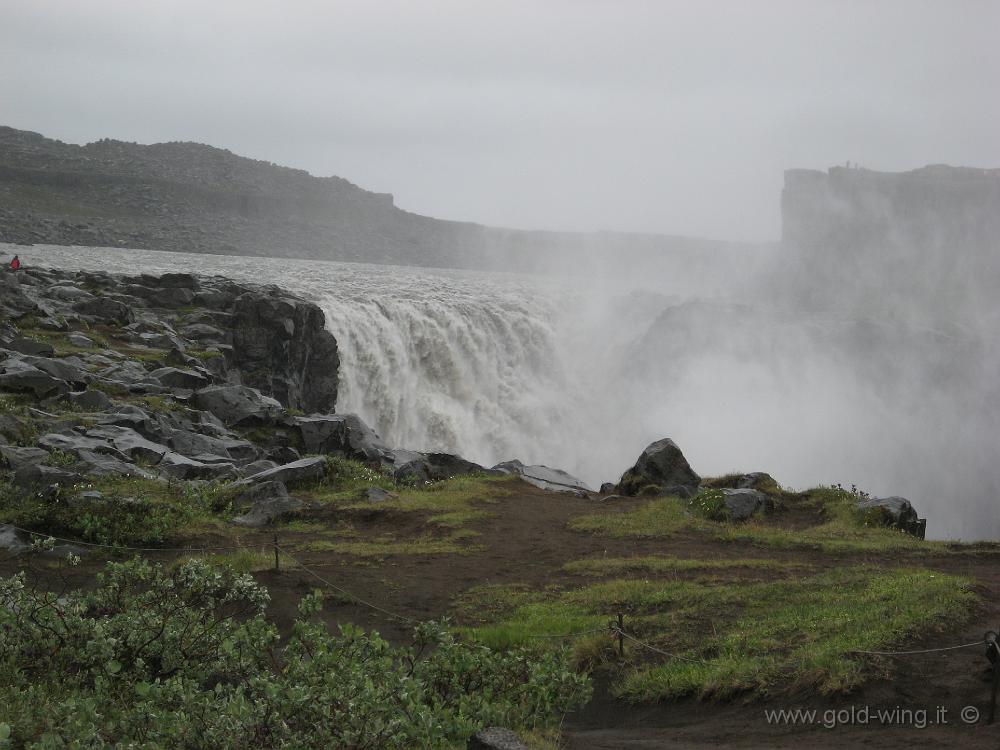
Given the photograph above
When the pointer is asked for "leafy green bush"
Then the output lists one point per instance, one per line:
(132, 511)
(185, 658)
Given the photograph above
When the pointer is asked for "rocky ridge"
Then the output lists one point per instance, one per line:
(210, 383)
(176, 378)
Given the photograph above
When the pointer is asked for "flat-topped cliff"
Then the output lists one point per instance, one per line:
(189, 197)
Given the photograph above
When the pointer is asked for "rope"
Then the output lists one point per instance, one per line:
(404, 618)
(632, 638)
(122, 546)
(566, 635)
(344, 591)
(921, 650)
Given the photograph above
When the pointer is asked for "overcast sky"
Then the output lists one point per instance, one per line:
(658, 116)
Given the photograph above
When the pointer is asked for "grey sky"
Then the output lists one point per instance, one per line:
(673, 117)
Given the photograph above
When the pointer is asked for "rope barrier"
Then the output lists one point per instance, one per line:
(920, 650)
(632, 638)
(613, 629)
(566, 635)
(344, 591)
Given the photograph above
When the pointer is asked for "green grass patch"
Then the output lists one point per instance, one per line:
(845, 528)
(385, 546)
(450, 503)
(775, 636)
(242, 561)
(658, 518)
(609, 566)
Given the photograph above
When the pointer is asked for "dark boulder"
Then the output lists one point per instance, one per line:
(90, 400)
(174, 377)
(238, 405)
(281, 346)
(15, 457)
(411, 466)
(342, 435)
(44, 479)
(743, 503)
(662, 464)
(544, 477)
(106, 309)
(265, 503)
(895, 512)
(18, 375)
(30, 346)
(176, 466)
(297, 472)
(109, 465)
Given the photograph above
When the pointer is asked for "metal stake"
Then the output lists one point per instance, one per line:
(276, 565)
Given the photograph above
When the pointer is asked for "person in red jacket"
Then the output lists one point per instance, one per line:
(15, 264)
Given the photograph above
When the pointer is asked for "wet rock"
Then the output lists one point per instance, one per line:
(282, 347)
(661, 464)
(170, 297)
(174, 377)
(607, 488)
(71, 442)
(105, 308)
(18, 375)
(266, 502)
(203, 332)
(343, 435)
(67, 292)
(172, 281)
(283, 454)
(129, 443)
(15, 457)
(238, 405)
(14, 429)
(30, 346)
(256, 467)
(64, 369)
(44, 479)
(297, 472)
(160, 340)
(191, 443)
(412, 466)
(176, 466)
(78, 339)
(743, 503)
(92, 400)
(895, 512)
(106, 464)
(544, 477)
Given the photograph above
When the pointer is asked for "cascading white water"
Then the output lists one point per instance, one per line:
(495, 366)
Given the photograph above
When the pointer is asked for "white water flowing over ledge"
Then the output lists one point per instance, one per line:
(495, 366)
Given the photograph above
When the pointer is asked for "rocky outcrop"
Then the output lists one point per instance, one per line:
(895, 512)
(280, 345)
(192, 198)
(742, 504)
(261, 337)
(544, 477)
(662, 466)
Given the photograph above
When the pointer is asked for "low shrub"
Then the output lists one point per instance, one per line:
(184, 658)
